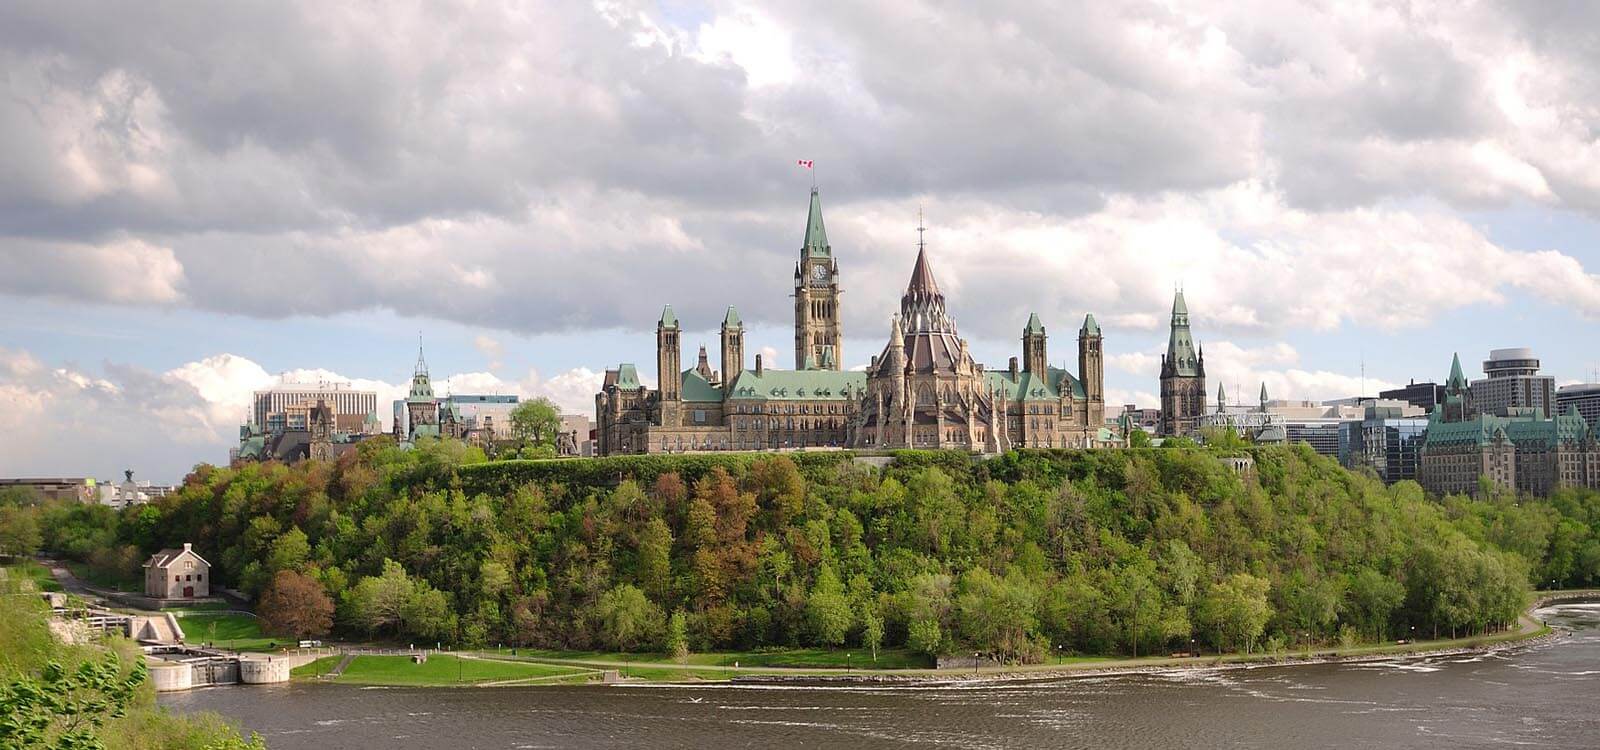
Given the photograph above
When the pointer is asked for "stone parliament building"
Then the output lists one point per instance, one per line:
(923, 390)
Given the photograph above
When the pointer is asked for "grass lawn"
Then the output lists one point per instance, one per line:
(39, 574)
(226, 630)
(439, 669)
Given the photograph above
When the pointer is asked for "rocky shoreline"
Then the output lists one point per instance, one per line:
(1194, 665)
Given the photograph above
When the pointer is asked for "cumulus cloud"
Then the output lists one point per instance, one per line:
(549, 166)
(1242, 370)
(161, 424)
(491, 349)
(1243, 148)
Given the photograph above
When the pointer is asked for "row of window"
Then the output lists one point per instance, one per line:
(832, 408)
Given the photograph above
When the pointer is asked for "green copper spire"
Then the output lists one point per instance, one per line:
(1089, 326)
(1263, 395)
(421, 384)
(1457, 380)
(1181, 358)
(816, 244)
(669, 319)
(731, 320)
(1034, 326)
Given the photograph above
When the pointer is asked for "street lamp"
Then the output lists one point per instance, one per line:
(847, 663)
(974, 664)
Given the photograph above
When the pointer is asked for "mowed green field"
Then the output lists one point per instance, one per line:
(439, 669)
(229, 630)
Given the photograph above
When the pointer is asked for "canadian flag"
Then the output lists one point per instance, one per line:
(807, 163)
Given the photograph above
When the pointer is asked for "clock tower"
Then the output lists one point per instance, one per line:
(818, 332)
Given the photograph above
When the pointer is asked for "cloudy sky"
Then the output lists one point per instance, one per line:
(195, 203)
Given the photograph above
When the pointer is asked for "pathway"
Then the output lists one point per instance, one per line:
(339, 669)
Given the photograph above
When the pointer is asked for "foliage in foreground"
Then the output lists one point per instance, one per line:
(1026, 554)
(85, 697)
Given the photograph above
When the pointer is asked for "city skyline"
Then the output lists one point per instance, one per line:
(1394, 190)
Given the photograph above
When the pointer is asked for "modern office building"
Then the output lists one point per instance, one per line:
(1513, 383)
(1422, 395)
(1585, 397)
(1388, 439)
(81, 489)
(275, 408)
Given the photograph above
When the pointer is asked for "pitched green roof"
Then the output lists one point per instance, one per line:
(1027, 387)
(697, 388)
(627, 376)
(789, 385)
(1521, 430)
(1034, 326)
(816, 243)
(1456, 380)
(731, 320)
(1181, 356)
(1089, 325)
(669, 319)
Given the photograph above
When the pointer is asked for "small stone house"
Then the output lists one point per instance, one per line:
(177, 574)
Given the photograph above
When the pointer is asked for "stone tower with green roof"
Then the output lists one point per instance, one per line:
(817, 323)
(1183, 375)
(669, 384)
(1092, 368)
(422, 411)
(732, 348)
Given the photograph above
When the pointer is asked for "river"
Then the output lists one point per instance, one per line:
(1545, 695)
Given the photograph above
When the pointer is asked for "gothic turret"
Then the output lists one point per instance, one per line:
(817, 320)
(732, 348)
(1034, 357)
(1183, 375)
(668, 376)
(1092, 368)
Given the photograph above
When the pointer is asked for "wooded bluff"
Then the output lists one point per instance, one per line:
(1095, 552)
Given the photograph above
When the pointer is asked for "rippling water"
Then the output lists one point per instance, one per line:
(1543, 696)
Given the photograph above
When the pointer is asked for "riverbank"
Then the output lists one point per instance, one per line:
(496, 669)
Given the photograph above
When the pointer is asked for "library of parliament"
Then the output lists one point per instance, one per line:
(923, 390)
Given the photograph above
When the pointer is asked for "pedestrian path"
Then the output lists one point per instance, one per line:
(339, 669)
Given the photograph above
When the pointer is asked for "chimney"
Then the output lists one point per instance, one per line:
(187, 547)
(1013, 368)
(759, 368)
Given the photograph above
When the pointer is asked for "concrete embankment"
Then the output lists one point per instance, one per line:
(183, 668)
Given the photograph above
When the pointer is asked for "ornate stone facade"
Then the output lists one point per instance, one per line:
(924, 390)
(1183, 376)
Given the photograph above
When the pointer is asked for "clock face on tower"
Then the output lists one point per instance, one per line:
(819, 274)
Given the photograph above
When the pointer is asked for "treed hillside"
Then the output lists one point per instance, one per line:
(1095, 552)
